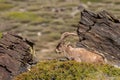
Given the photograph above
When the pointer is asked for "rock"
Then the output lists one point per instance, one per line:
(100, 32)
(15, 55)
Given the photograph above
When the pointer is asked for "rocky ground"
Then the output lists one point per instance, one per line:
(43, 21)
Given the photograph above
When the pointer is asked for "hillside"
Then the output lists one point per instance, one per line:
(70, 70)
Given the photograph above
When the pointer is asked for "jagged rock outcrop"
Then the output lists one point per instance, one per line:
(15, 55)
(100, 32)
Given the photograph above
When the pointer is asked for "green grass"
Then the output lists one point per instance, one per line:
(70, 70)
(40, 20)
(5, 6)
(2, 1)
(21, 16)
(26, 17)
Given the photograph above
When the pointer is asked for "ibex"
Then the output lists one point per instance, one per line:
(77, 54)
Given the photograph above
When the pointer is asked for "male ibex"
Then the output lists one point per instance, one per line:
(77, 54)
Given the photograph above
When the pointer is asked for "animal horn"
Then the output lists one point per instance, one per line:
(66, 34)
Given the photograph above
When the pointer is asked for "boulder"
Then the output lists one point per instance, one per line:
(15, 55)
(100, 32)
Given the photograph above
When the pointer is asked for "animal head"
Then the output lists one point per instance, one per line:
(59, 47)
(62, 46)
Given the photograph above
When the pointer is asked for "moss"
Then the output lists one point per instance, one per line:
(70, 70)
(5, 6)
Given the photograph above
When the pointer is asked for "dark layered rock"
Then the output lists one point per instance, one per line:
(15, 55)
(100, 32)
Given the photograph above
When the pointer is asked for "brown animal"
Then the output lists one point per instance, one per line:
(77, 54)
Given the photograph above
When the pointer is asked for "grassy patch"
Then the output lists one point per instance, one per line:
(5, 6)
(70, 70)
(21, 16)
(2, 1)
(48, 15)
(68, 5)
(40, 20)
(26, 17)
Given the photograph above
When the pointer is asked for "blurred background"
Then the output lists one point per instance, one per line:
(43, 21)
